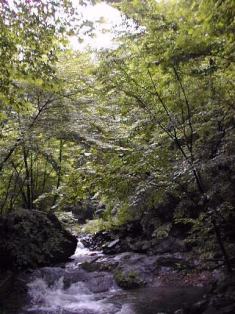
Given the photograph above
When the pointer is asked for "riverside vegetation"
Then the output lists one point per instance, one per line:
(138, 144)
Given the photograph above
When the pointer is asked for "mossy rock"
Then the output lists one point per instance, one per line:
(31, 238)
(128, 279)
(99, 266)
(90, 266)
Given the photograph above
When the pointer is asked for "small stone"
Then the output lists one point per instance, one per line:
(113, 243)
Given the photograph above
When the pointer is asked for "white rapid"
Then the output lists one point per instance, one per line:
(71, 290)
(56, 299)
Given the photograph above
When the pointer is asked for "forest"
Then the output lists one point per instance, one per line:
(123, 149)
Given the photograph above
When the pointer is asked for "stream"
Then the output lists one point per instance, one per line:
(69, 289)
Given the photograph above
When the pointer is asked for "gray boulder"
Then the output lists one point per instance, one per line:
(31, 238)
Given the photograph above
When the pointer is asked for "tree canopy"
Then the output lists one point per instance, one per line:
(151, 118)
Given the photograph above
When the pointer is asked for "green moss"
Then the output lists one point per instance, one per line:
(129, 279)
(90, 266)
(99, 266)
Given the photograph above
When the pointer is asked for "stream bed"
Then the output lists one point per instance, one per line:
(69, 289)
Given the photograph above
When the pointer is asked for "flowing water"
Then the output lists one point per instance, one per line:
(72, 290)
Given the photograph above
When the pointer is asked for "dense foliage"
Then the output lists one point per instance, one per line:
(149, 121)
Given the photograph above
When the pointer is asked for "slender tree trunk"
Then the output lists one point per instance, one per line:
(13, 195)
(31, 179)
(60, 164)
(36, 178)
(7, 192)
(20, 183)
(27, 174)
(59, 175)
(44, 178)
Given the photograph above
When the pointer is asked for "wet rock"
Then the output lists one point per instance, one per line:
(102, 265)
(129, 279)
(96, 281)
(141, 246)
(115, 247)
(115, 241)
(100, 282)
(98, 240)
(132, 237)
(112, 247)
(87, 241)
(50, 275)
(73, 276)
(90, 266)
